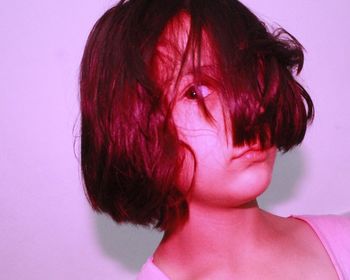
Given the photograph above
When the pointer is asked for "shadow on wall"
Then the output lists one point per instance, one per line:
(289, 169)
(130, 246)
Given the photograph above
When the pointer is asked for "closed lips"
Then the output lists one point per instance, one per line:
(251, 154)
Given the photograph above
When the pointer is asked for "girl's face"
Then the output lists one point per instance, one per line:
(226, 176)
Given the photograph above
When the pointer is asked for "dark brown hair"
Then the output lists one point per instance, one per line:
(131, 154)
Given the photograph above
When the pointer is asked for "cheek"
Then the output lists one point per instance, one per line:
(202, 154)
(207, 143)
(196, 131)
(205, 147)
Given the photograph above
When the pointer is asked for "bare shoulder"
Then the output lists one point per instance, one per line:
(307, 251)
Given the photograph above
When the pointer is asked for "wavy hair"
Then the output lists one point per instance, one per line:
(131, 155)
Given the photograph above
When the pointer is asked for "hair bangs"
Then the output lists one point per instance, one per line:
(257, 69)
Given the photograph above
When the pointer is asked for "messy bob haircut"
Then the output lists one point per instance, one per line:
(131, 154)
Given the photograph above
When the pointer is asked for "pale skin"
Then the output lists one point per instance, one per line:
(227, 235)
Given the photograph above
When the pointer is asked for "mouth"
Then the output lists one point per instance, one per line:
(253, 154)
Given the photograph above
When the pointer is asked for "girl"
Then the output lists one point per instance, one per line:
(184, 106)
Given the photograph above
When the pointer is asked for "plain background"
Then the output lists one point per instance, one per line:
(47, 230)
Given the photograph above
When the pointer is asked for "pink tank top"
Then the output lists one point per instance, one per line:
(333, 232)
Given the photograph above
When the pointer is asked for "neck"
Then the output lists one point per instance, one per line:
(216, 236)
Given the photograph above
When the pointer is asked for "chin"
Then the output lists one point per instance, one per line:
(247, 186)
(251, 185)
(243, 183)
(235, 192)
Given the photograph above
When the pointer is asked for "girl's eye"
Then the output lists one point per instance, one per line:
(192, 93)
(196, 92)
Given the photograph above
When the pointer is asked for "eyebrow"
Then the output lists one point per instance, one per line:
(207, 69)
(207, 73)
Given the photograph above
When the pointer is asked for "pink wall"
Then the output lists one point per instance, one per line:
(47, 229)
